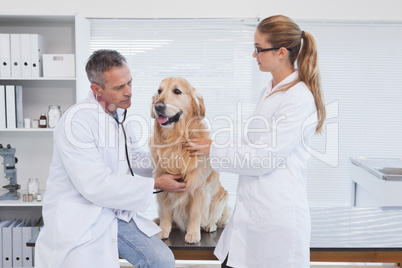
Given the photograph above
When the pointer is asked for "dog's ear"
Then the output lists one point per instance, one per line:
(152, 106)
(199, 107)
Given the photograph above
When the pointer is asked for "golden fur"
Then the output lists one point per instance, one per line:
(204, 203)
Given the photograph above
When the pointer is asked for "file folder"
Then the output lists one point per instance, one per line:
(2, 107)
(11, 118)
(7, 244)
(27, 260)
(2, 224)
(17, 245)
(19, 106)
(7, 247)
(35, 232)
(5, 57)
(25, 55)
(36, 55)
(15, 44)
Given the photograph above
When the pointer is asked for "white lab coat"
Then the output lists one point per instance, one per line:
(270, 225)
(89, 188)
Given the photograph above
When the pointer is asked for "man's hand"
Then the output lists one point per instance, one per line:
(169, 183)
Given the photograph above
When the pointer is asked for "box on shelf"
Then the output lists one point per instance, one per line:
(59, 65)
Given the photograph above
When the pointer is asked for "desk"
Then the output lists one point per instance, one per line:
(337, 235)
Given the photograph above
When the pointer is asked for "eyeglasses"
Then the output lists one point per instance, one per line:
(258, 50)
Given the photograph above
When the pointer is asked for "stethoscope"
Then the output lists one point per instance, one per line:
(125, 143)
(125, 138)
(115, 116)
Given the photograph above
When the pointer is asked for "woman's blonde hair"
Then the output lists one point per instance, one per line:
(282, 31)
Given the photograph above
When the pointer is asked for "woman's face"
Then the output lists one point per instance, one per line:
(267, 60)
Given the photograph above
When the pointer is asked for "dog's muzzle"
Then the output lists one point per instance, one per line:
(160, 109)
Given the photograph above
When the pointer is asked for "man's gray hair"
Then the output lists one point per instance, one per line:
(102, 61)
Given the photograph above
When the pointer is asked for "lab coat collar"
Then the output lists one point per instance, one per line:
(91, 98)
(285, 81)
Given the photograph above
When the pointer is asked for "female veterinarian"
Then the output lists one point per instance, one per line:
(270, 225)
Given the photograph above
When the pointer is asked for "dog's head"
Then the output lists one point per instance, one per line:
(176, 100)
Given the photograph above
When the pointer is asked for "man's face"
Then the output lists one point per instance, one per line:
(117, 90)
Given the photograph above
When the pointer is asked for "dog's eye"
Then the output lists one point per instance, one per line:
(159, 91)
(177, 91)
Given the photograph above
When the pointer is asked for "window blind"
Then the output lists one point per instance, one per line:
(214, 55)
(361, 69)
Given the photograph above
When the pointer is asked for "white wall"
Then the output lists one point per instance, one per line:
(307, 9)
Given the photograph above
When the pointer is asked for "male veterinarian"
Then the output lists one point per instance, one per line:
(91, 199)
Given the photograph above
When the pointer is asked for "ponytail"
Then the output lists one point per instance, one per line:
(307, 65)
(281, 31)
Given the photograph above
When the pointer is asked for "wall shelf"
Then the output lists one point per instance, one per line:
(64, 34)
(11, 79)
(27, 130)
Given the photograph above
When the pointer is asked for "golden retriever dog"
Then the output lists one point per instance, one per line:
(178, 111)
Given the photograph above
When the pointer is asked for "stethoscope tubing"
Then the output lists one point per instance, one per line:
(125, 144)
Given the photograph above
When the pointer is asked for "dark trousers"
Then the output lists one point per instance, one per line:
(224, 265)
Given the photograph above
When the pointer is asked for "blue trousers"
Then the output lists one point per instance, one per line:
(141, 250)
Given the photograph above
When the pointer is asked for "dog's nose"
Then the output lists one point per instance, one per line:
(159, 106)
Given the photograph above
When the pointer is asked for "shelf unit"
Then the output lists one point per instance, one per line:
(28, 130)
(64, 34)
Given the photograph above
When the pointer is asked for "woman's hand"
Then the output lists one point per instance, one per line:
(199, 146)
(170, 183)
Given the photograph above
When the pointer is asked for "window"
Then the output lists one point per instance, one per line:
(361, 67)
(360, 63)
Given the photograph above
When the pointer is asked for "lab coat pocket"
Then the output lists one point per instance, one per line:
(273, 202)
(256, 201)
(75, 221)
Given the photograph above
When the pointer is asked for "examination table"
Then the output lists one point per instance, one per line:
(338, 234)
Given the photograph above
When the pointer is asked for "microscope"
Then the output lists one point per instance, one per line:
(11, 173)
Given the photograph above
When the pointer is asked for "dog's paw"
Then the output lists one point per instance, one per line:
(193, 237)
(164, 235)
(210, 228)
